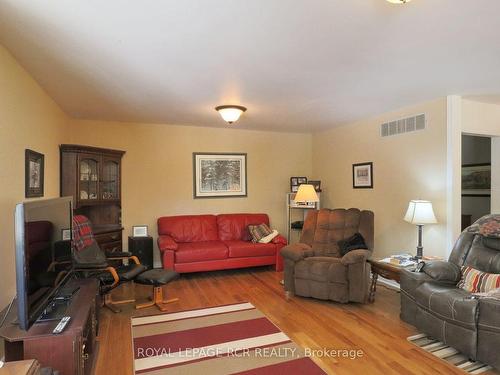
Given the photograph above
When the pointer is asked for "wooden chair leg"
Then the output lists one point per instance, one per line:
(111, 304)
(157, 300)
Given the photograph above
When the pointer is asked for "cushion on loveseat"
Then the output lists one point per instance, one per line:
(240, 249)
(259, 231)
(233, 227)
(200, 251)
(189, 228)
(476, 281)
(449, 303)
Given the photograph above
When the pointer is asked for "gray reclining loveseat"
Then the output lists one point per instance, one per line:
(431, 300)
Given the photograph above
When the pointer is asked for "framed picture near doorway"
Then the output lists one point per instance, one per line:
(476, 180)
(362, 176)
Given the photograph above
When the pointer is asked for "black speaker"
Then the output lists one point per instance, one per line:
(142, 248)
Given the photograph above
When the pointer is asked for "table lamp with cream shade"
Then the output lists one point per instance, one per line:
(420, 212)
(306, 194)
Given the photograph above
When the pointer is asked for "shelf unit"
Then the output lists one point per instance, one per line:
(298, 212)
(92, 176)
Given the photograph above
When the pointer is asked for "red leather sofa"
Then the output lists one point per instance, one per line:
(193, 243)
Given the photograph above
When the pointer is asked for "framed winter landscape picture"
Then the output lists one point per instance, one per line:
(219, 175)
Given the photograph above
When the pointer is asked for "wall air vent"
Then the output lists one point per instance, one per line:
(405, 125)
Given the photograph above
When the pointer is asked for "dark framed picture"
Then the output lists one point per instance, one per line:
(33, 174)
(362, 176)
(295, 182)
(219, 175)
(476, 180)
(316, 184)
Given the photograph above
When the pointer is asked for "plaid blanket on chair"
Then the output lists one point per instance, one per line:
(82, 233)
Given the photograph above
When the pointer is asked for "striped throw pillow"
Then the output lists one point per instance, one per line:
(475, 281)
(259, 231)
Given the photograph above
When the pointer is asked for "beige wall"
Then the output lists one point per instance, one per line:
(28, 119)
(158, 170)
(480, 118)
(407, 166)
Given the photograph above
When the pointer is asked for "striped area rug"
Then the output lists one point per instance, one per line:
(447, 353)
(231, 339)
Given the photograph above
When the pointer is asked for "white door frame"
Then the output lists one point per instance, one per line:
(453, 171)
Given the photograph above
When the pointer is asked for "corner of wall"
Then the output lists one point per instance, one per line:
(453, 169)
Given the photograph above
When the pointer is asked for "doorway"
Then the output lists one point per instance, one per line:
(476, 178)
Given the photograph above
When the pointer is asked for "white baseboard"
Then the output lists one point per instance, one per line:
(388, 283)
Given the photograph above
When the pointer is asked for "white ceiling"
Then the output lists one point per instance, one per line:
(297, 65)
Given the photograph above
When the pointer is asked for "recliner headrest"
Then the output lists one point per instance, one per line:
(487, 226)
(492, 243)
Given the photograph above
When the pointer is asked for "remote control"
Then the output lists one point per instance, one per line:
(62, 324)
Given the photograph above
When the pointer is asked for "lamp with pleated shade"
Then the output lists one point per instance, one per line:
(306, 194)
(420, 212)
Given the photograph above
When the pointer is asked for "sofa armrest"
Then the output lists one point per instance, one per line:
(355, 256)
(443, 271)
(279, 239)
(296, 251)
(167, 243)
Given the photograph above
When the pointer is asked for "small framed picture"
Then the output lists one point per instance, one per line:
(316, 184)
(362, 176)
(65, 234)
(33, 170)
(295, 182)
(140, 231)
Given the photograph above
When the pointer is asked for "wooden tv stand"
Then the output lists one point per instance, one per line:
(71, 352)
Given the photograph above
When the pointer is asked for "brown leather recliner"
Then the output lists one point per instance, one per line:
(314, 267)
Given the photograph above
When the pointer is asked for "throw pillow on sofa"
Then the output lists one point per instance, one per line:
(259, 231)
(356, 241)
(476, 281)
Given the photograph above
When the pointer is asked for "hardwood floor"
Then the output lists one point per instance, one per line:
(374, 328)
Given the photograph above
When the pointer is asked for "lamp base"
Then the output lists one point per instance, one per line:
(420, 248)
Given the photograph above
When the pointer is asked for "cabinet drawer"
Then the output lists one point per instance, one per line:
(112, 247)
(108, 237)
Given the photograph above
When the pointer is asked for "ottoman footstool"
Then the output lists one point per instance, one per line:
(157, 278)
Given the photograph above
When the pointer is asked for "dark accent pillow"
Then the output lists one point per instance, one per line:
(440, 270)
(356, 241)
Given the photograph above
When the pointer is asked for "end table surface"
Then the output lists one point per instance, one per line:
(386, 270)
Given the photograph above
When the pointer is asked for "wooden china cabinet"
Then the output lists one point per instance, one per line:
(92, 176)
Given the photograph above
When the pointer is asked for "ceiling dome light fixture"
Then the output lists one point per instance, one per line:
(399, 1)
(230, 113)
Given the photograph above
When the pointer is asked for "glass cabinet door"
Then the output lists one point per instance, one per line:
(89, 179)
(110, 180)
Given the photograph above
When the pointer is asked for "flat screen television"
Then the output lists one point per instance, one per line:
(43, 254)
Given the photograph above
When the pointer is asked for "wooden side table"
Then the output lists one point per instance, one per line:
(386, 270)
